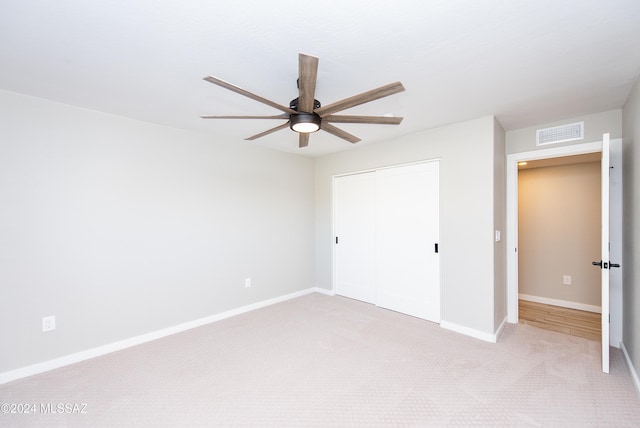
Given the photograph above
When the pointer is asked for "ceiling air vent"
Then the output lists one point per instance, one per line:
(560, 134)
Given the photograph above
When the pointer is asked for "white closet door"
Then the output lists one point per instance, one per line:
(408, 268)
(354, 226)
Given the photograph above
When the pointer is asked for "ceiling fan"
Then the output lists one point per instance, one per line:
(305, 114)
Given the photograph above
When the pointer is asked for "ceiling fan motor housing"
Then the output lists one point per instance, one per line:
(294, 104)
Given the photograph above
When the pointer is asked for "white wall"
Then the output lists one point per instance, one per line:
(631, 235)
(119, 227)
(467, 208)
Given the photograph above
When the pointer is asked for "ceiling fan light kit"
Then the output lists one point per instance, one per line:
(305, 114)
(305, 123)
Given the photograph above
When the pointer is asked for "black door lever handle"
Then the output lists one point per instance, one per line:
(614, 265)
(597, 263)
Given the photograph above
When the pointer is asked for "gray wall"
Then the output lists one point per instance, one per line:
(631, 216)
(499, 220)
(467, 218)
(524, 139)
(559, 225)
(119, 227)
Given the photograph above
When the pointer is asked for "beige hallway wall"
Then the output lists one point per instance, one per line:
(559, 232)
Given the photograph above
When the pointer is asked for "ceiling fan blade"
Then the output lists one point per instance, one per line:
(365, 97)
(303, 141)
(280, 116)
(248, 94)
(339, 132)
(378, 120)
(307, 76)
(268, 131)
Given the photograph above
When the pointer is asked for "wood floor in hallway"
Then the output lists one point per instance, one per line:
(569, 321)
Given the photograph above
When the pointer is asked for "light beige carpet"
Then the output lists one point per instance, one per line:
(330, 361)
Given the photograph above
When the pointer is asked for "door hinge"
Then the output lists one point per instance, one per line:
(436, 247)
(336, 239)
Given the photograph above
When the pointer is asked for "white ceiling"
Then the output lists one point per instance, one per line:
(526, 61)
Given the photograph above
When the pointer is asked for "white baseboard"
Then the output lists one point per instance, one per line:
(561, 303)
(77, 357)
(324, 291)
(500, 328)
(487, 337)
(632, 369)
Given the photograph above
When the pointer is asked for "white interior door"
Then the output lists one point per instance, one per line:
(354, 227)
(408, 274)
(605, 261)
(615, 242)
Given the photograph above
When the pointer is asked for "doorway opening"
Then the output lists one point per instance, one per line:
(559, 233)
(553, 155)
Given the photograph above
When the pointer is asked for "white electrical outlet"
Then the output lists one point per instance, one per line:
(49, 323)
(566, 279)
(247, 282)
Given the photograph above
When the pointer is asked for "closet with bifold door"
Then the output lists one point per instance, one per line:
(386, 231)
